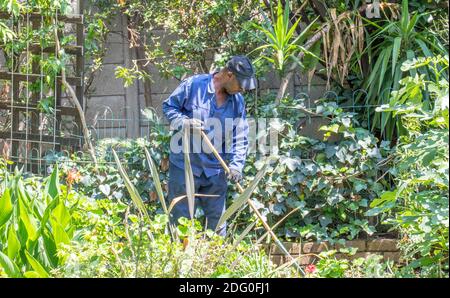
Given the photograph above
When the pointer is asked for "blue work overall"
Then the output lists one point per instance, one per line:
(195, 97)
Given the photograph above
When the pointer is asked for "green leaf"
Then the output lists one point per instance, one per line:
(6, 207)
(334, 197)
(405, 15)
(52, 186)
(386, 58)
(291, 163)
(302, 36)
(244, 233)
(310, 61)
(59, 235)
(61, 215)
(428, 157)
(31, 274)
(325, 220)
(411, 55)
(47, 213)
(39, 269)
(426, 51)
(13, 243)
(243, 197)
(395, 53)
(50, 248)
(27, 219)
(156, 181)
(9, 266)
(385, 197)
(134, 193)
(292, 30)
(359, 185)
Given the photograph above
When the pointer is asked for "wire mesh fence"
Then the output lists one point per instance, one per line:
(34, 118)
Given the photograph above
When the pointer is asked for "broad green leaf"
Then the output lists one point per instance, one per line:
(429, 157)
(27, 219)
(50, 248)
(105, 189)
(13, 243)
(52, 186)
(6, 207)
(59, 235)
(9, 266)
(385, 197)
(48, 211)
(36, 265)
(31, 274)
(310, 61)
(61, 214)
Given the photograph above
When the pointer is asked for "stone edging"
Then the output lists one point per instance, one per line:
(384, 247)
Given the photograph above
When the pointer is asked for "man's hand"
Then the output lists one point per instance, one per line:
(234, 176)
(193, 122)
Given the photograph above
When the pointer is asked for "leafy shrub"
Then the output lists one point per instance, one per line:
(330, 183)
(393, 42)
(121, 247)
(49, 229)
(418, 205)
(35, 221)
(331, 266)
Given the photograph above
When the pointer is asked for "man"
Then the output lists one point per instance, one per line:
(208, 102)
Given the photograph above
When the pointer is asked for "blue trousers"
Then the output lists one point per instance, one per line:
(213, 207)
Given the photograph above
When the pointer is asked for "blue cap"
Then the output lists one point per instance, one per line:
(242, 68)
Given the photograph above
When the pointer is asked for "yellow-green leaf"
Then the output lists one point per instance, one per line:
(5, 207)
(9, 266)
(36, 265)
(13, 243)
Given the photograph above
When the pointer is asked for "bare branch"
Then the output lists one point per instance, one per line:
(74, 99)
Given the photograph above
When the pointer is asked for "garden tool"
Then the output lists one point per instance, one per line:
(250, 203)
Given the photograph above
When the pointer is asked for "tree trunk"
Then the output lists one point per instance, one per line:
(283, 86)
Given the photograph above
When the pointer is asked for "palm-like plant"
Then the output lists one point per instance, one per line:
(282, 45)
(392, 44)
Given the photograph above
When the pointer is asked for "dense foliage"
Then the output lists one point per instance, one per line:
(48, 229)
(418, 205)
(110, 220)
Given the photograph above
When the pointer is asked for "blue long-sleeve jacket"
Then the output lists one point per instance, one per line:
(195, 98)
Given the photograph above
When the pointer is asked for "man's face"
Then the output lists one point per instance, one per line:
(231, 84)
